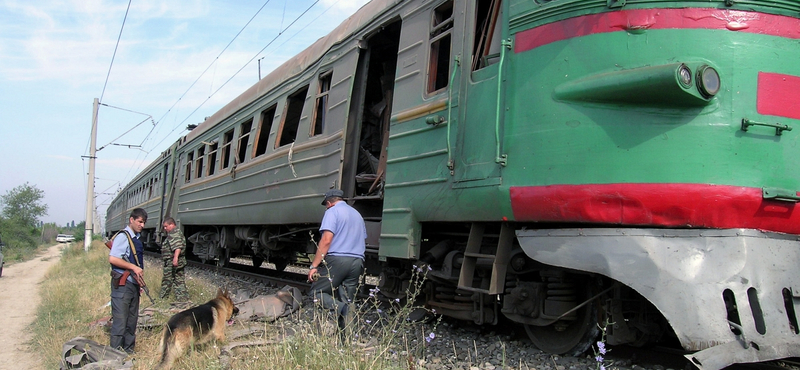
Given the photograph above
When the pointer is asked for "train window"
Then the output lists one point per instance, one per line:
(212, 158)
(201, 152)
(263, 131)
(226, 149)
(321, 107)
(486, 45)
(189, 163)
(244, 137)
(291, 118)
(440, 36)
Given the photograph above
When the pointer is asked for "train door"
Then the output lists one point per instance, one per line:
(370, 111)
(367, 132)
(479, 145)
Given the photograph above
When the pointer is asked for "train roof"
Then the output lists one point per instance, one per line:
(297, 64)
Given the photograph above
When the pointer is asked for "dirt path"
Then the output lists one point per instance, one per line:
(19, 296)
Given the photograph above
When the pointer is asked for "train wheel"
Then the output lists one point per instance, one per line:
(225, 259)
(567, 338)
(257, 261)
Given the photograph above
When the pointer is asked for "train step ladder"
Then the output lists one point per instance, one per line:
(499, 260)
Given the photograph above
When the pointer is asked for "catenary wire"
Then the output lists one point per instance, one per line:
(212, 63)
(138, 162)
(115, 50)
(236, 73)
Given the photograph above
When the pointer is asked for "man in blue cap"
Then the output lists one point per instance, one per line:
(340, 256)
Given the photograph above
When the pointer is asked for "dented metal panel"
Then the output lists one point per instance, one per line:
(684, 274)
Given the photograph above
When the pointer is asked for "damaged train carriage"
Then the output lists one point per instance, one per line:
(559, 163)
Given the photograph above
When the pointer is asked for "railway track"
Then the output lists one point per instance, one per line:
(258, 274)
(266, 276)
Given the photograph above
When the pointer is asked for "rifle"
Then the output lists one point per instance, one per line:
(125, 274)
(140, 281)
(146, 290)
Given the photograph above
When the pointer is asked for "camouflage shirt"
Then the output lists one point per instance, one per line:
(174, 241)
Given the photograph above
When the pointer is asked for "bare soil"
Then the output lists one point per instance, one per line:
(19, 297)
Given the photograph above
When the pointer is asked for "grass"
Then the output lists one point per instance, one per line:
(14, 254)
(75, 294)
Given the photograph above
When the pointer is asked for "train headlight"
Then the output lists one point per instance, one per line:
(707, 81)
(685, 75)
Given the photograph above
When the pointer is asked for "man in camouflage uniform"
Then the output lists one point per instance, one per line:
(173, 252)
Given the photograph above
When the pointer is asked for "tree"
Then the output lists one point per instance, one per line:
(23, 204)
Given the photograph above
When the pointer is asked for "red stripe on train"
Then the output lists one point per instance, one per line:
(667, 205)
(643, 19)
(778, 95)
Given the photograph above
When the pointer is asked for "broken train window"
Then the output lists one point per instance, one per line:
(321, 108)
(486, 46)
(440, 39)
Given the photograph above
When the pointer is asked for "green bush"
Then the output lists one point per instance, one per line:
(20, 240)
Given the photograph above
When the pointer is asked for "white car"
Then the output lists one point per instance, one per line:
(64, 238)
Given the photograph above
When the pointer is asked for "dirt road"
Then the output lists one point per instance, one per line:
(19, 296)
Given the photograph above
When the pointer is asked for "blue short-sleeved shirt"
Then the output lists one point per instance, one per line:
(119, 249)
(348, 228)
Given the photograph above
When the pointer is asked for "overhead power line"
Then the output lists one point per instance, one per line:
(115, 49)
(149, 117)
(245, 65)
(141, 160)
(280, 33)
(209, 66)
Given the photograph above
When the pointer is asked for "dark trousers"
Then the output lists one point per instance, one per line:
(337, 282)
(125, 315)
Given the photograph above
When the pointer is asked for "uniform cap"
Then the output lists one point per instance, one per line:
(332, 193)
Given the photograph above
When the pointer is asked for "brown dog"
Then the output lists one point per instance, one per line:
(194, 326)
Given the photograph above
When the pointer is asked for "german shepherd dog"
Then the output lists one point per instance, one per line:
(195, 326)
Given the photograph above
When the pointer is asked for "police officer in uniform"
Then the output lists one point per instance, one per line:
(126, 254)
(341, 247)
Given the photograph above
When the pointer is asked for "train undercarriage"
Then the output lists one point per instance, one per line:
(279, 245)
(729, 295)
(713, 291)
(559, 308)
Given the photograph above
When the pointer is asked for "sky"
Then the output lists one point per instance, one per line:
(176, 62)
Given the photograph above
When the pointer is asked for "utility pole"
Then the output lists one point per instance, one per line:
(87, 235)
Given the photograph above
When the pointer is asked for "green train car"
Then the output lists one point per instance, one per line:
(557, 163)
